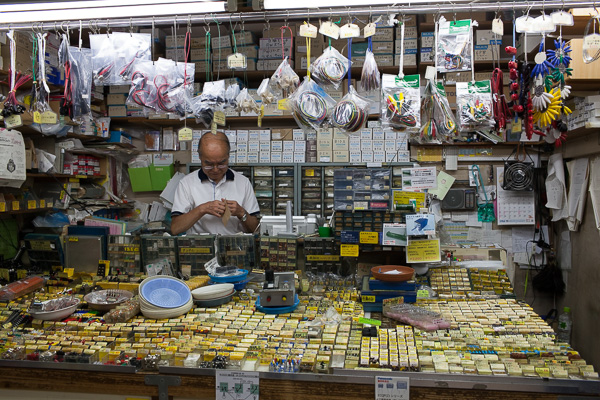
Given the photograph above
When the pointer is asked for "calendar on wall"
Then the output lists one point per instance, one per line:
(513, 207)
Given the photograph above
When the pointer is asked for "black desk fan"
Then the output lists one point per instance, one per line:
(518, 173)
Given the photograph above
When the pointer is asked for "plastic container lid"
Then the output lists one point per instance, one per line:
(166, 293)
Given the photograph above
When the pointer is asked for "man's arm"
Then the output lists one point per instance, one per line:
(183, 222)
(238, 211)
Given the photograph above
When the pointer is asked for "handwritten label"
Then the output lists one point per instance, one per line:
(349, 250)
(422, 294)
(14, 121)
(49, 117)
(194, 250)
(237, 61)
(185, 134)
(330, 29)
(322, 257)
(42, 203)
(282, 104)
(369, 30)
(213, 128)
(308, 30)
(349, 31)
(261, 114)
(2, 206)
(31, 204)
(37, 117)
(498, 27)
(369, 237)
(219, 118)
(418, 251)
(16, 206)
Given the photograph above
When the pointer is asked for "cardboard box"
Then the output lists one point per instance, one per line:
(384, 34)
(340, 144)
(378, 48)
(486, 52)
(220, 42)
(367, 157)
(174, 42)
(117, 111)
(276, 157)
(270, 65)
(244, 38)
(275, 31)
(324, 144)
(324, 155)
(581, 70)
(409, 44)
(175, 54)
(355, 157)
(341, 156)
(115, 99)
(384, 60)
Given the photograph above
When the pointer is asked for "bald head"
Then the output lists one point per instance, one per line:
(210, 142)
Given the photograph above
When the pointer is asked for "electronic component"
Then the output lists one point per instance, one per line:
(459, 199)
(278, 290)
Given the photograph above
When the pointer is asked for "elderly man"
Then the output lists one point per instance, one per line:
(203, 196)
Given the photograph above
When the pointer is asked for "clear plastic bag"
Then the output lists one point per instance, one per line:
(351, 113)
(80, 78)
(415, 316)
(163, 81)
(438, 121)
(311, 105)
(370, 79)
(330, 68)
(212, 99)
(245, 102)
(285, 78)
(401, 101)
(103, 59)
(454, 42)
(474, 106)
(231, 94)
(142, 91)
(129, 47)
(265, 93)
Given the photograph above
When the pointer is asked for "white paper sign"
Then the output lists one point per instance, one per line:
(414, 179)
(12, 159)
(392, 388)
(237, 385)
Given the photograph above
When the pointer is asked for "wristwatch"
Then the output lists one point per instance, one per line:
(244, 217)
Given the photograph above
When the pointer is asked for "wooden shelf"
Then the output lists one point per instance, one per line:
(476, 144)
(37, 175)
(32, 211)
(30, 131)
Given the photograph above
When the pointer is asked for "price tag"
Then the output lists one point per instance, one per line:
(3, 206)
(422, 294)
(49, 117)
(308, 30)
(42, 203)
(369, 321)
(261, 114)
(367, 299)
(540, 57)
(369, 30)
(282, 104)
(369, 237)
(430, 73)
(309, 172)
(219, 118)
(392, 388)
(591, 42)
(349, 250)
(349, 31)
(237, 61)
(562, 18)
(31, 204)
(184, 134)
(16, 206)
(517, 126)
(498, 27)
(213, 128)
(330, 29)
(14, 121)
(37, 117)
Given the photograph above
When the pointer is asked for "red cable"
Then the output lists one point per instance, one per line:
(291, 44)
(501, 110)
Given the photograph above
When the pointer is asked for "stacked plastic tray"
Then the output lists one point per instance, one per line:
(362, 189)
(124, 254)
(195, 250)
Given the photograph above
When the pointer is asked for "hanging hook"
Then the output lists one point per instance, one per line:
(498, 9)
(349, 17)
(242, 22)
(131, 27)
(189, 24)
(268, 24)
(370, 13)
(287, 18)
(308, 12)
(330, 14)
(107, 27)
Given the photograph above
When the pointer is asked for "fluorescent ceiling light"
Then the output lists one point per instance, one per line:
(283, 5)
(126, 9)
(68, 5)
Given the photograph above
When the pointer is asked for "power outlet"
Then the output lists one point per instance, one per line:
(473, 177)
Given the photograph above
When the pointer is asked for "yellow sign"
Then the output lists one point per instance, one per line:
(309, 172)
(3, 206)
(319, 257)
(219, 118)
(48, 117)
(404, 198)
(349, 250)
(369, 237)
(197, 250)
(31, 204)
(15, 205)
(419, 251)
(282, 104)
(37, 117)
(42, 203)
(368, 299)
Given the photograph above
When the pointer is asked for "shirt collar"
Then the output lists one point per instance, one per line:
(229, 175)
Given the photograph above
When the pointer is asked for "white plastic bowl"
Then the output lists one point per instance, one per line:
(55, 315)
(212, 291)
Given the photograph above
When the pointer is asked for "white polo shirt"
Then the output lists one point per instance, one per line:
(197, 188)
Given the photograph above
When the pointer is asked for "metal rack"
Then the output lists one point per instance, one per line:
(488, 6)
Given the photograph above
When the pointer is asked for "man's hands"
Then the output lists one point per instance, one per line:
(217, 208)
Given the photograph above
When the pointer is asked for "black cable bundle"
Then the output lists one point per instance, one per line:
(549, 280)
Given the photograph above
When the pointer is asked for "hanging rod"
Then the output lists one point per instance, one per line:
(183, 18)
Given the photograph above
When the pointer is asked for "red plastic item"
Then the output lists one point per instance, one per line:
(21, 288)
(405, 273)
(511, 50)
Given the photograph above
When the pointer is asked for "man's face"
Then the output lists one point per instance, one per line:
(215, 159)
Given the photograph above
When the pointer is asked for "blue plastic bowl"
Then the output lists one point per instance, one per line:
(230, 279)
(277, 310)
(166, 293)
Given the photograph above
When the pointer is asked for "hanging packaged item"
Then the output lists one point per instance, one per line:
(474, 106)
(245, 102)
(311, 105)
(265, 93)
(77, 63)
(330, 68)
(370, 79)
(143, 91)
(114, 56)
(401, 101)
(438, 122)
(285, 78)
(350, 114)
(212, 99)
(129, 47)
(103, 59)
(454, 45)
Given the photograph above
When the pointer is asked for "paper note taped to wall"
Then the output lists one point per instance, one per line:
(419, 178)
(419, 251)
(12, 159)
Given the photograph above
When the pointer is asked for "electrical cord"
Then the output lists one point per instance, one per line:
(76, 201)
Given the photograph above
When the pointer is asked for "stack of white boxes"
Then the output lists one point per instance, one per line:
(294, 146)
(270, 51)
(427, 44)
(586, 113)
